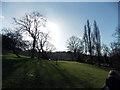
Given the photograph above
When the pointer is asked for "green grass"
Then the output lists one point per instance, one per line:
(34, 73)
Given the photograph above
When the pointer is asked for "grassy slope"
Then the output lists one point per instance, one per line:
(25, 72)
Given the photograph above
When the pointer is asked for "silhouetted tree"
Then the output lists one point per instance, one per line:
(49, 47)
(93, 46)
(114, 46)
(105, 49)
(12, 41)
(115, 50)
(85, 40)
(28, 47)
(89, 38)
(97, 41)
(117, 34)
(117, 42)
(41, 42)
(75, 45)
(105, 52)
(31, 24)
(115, 55)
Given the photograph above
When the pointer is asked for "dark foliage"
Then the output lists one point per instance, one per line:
(12, 41)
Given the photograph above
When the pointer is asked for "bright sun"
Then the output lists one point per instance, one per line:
(54, 32)
(53, 28)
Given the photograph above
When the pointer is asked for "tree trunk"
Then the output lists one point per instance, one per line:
(39, 54)
(99, 63)
(15, 52)
(91, 58)
(33, 50)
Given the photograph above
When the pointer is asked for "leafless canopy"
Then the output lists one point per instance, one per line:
(74, 44)
(31, 24)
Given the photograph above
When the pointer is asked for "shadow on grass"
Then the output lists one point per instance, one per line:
(45, 74)
(69, 79)
(10, 65)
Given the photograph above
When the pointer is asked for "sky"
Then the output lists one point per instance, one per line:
(67, 19)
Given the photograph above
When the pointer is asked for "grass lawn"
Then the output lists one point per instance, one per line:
(33, 73)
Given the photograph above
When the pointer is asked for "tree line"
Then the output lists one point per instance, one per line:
(31, 24)
(90, 45)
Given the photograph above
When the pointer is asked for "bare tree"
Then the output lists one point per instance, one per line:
(105, 49)
(89, 39)
(41, 42)
(31, 23)
(93, 43)
(49, 47)
(105, 52)
(97, 41)
(13, 41)
(85, 40)
(117, 34)
(115, 50)
(28, 47)
(74, 44)
(116, 44)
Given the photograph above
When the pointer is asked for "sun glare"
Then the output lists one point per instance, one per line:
(54, 31)
(52, 27)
